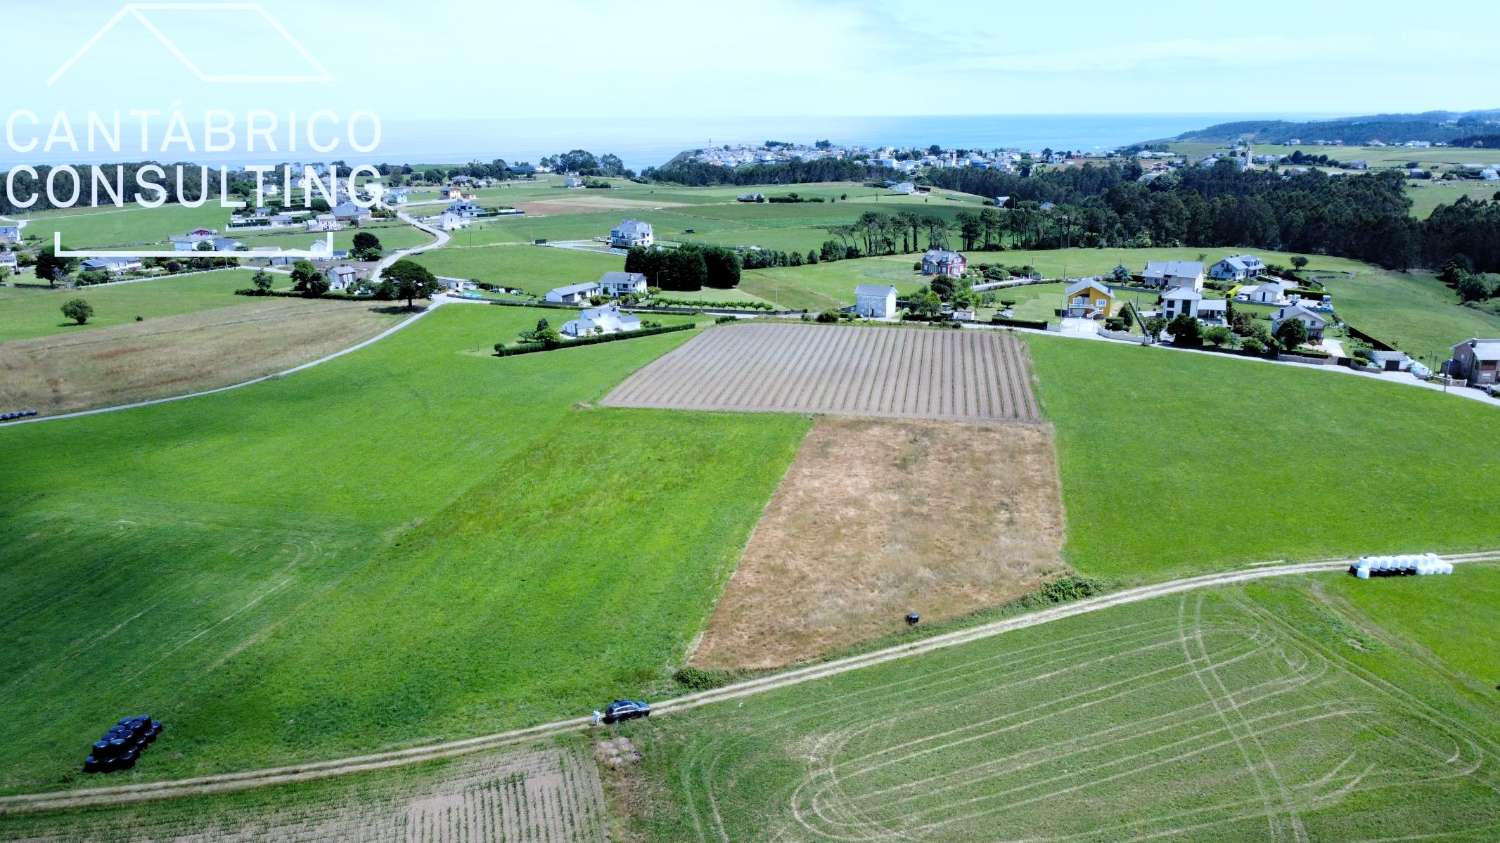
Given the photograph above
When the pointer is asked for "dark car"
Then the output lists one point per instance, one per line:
(626, 710)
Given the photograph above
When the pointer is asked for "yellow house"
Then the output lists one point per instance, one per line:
(1088, 298)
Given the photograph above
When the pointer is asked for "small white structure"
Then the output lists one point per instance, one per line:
(572, 181)
(324, 222)
(10, 235)
(9, 260)
(1185, 301)
(875, 301)
(341, 278)
(350, 212)
(904, 188)
(631, 233)
(618, 284)
(1270, 291)
(596, 321)
(466, 209)
(452, 222)
(573, 293)
(458, 285)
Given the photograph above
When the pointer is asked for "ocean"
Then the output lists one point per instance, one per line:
(646, 142)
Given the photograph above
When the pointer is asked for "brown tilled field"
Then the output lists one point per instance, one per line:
(908, 373)
(878, 518)
(544, 795)
(174, 355)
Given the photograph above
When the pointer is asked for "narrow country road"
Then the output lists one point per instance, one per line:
(326, 769)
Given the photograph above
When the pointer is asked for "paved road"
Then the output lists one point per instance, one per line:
(383, 760)
(440, 240)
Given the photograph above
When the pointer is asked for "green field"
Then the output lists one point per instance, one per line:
(1411, 310)
(414, 542)
(1427, 195)
(1295, 710)
(1178, 463)
(535, 269)
(33, 312)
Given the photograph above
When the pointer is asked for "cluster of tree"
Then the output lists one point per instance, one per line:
(682, 171)
(874, 233)
(1310, 160)
(585, 163)
(1479, 141)
(366, 247)
(1434, 126)
(687, 268)
(1471, 286)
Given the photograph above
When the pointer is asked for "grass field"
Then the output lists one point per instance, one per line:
(1268, 711)
(535, 269)
(1411, 310)
(1427, 195)
(32, 312)
(1177, 463)
(415, 541)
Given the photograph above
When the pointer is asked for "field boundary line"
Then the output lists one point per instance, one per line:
(249, 779)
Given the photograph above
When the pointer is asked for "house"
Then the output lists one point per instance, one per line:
(321, 252)
(618, 284)
(944, 262)
(631, 233)
(1167, 275)
(875, 301)
(452, 222)
(190, 242)
(1237, 268)
(114, 266)
(1002, 201)
(1185, 301)
(1272, 291)
(453, 193)
(10, 235)
(324, 222)
(905, 188)
(572, 181)
(396, 196)
(1312, 321)
(1475, 361)
(573, 293)
(465, 209)
(458, 285)
(350, 212)
(227, 244)
(1088, 298)
(600, 320)
(10, 261)
(341, 278)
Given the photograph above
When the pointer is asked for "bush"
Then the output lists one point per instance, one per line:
(1251, 345)
(828, 316)
(1064, 590)
(503, 350)
(698, 679)
(1018, 323)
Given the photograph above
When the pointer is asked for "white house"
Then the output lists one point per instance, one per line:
(1271, 291)
(1185, 301)
(341, 278)
(1169, 275)
(114, 266)
(573, 293)
(875, 301)
(618, 284)
(452, 222)
(189, 242)
(350, 212)
(631, 233)
(1237, 268)
(9, 261)
(324, 222)
(600, 320)
(320, 251)
(10, 235)
(1312, 321)
(904, 188)
(458, 285)
(465, 209)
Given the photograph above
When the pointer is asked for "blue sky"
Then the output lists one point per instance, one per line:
(675, 58)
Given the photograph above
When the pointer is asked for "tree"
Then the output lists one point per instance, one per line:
(1185, 331)
(723, 267)
(926, 303)
(1298, 262)
(78, 310)
(1291, 333)
(367, 246)
(1473, 287)
(51, 268)
(1154, 326)
(544, 334)
(413, 281)
(307, 280)
(262, 281)
(1218, 335)
(1121, 273)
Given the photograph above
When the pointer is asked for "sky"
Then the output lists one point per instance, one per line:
(448, 59)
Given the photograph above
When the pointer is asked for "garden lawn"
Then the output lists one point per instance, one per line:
(412, 542)
(1175, 463)
(32, 312)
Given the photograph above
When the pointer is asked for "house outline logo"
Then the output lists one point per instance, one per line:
(140, 13)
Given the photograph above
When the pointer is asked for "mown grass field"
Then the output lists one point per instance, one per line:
(1178, 463)
(1292, 709)
(535, 269)
(32, 312)
(1427, 195)
(413, 542)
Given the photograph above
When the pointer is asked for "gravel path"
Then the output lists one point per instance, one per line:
(377, 761)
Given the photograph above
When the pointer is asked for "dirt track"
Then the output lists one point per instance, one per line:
(906, 373)
(324, 769)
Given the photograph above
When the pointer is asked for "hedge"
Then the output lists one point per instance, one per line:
(503, 350)
(1018, 323)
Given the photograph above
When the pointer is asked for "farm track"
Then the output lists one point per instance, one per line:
(228, 782)
(903, 373)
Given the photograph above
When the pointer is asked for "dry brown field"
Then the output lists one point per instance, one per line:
(176, 355)
(878, 518)
(904, 373)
